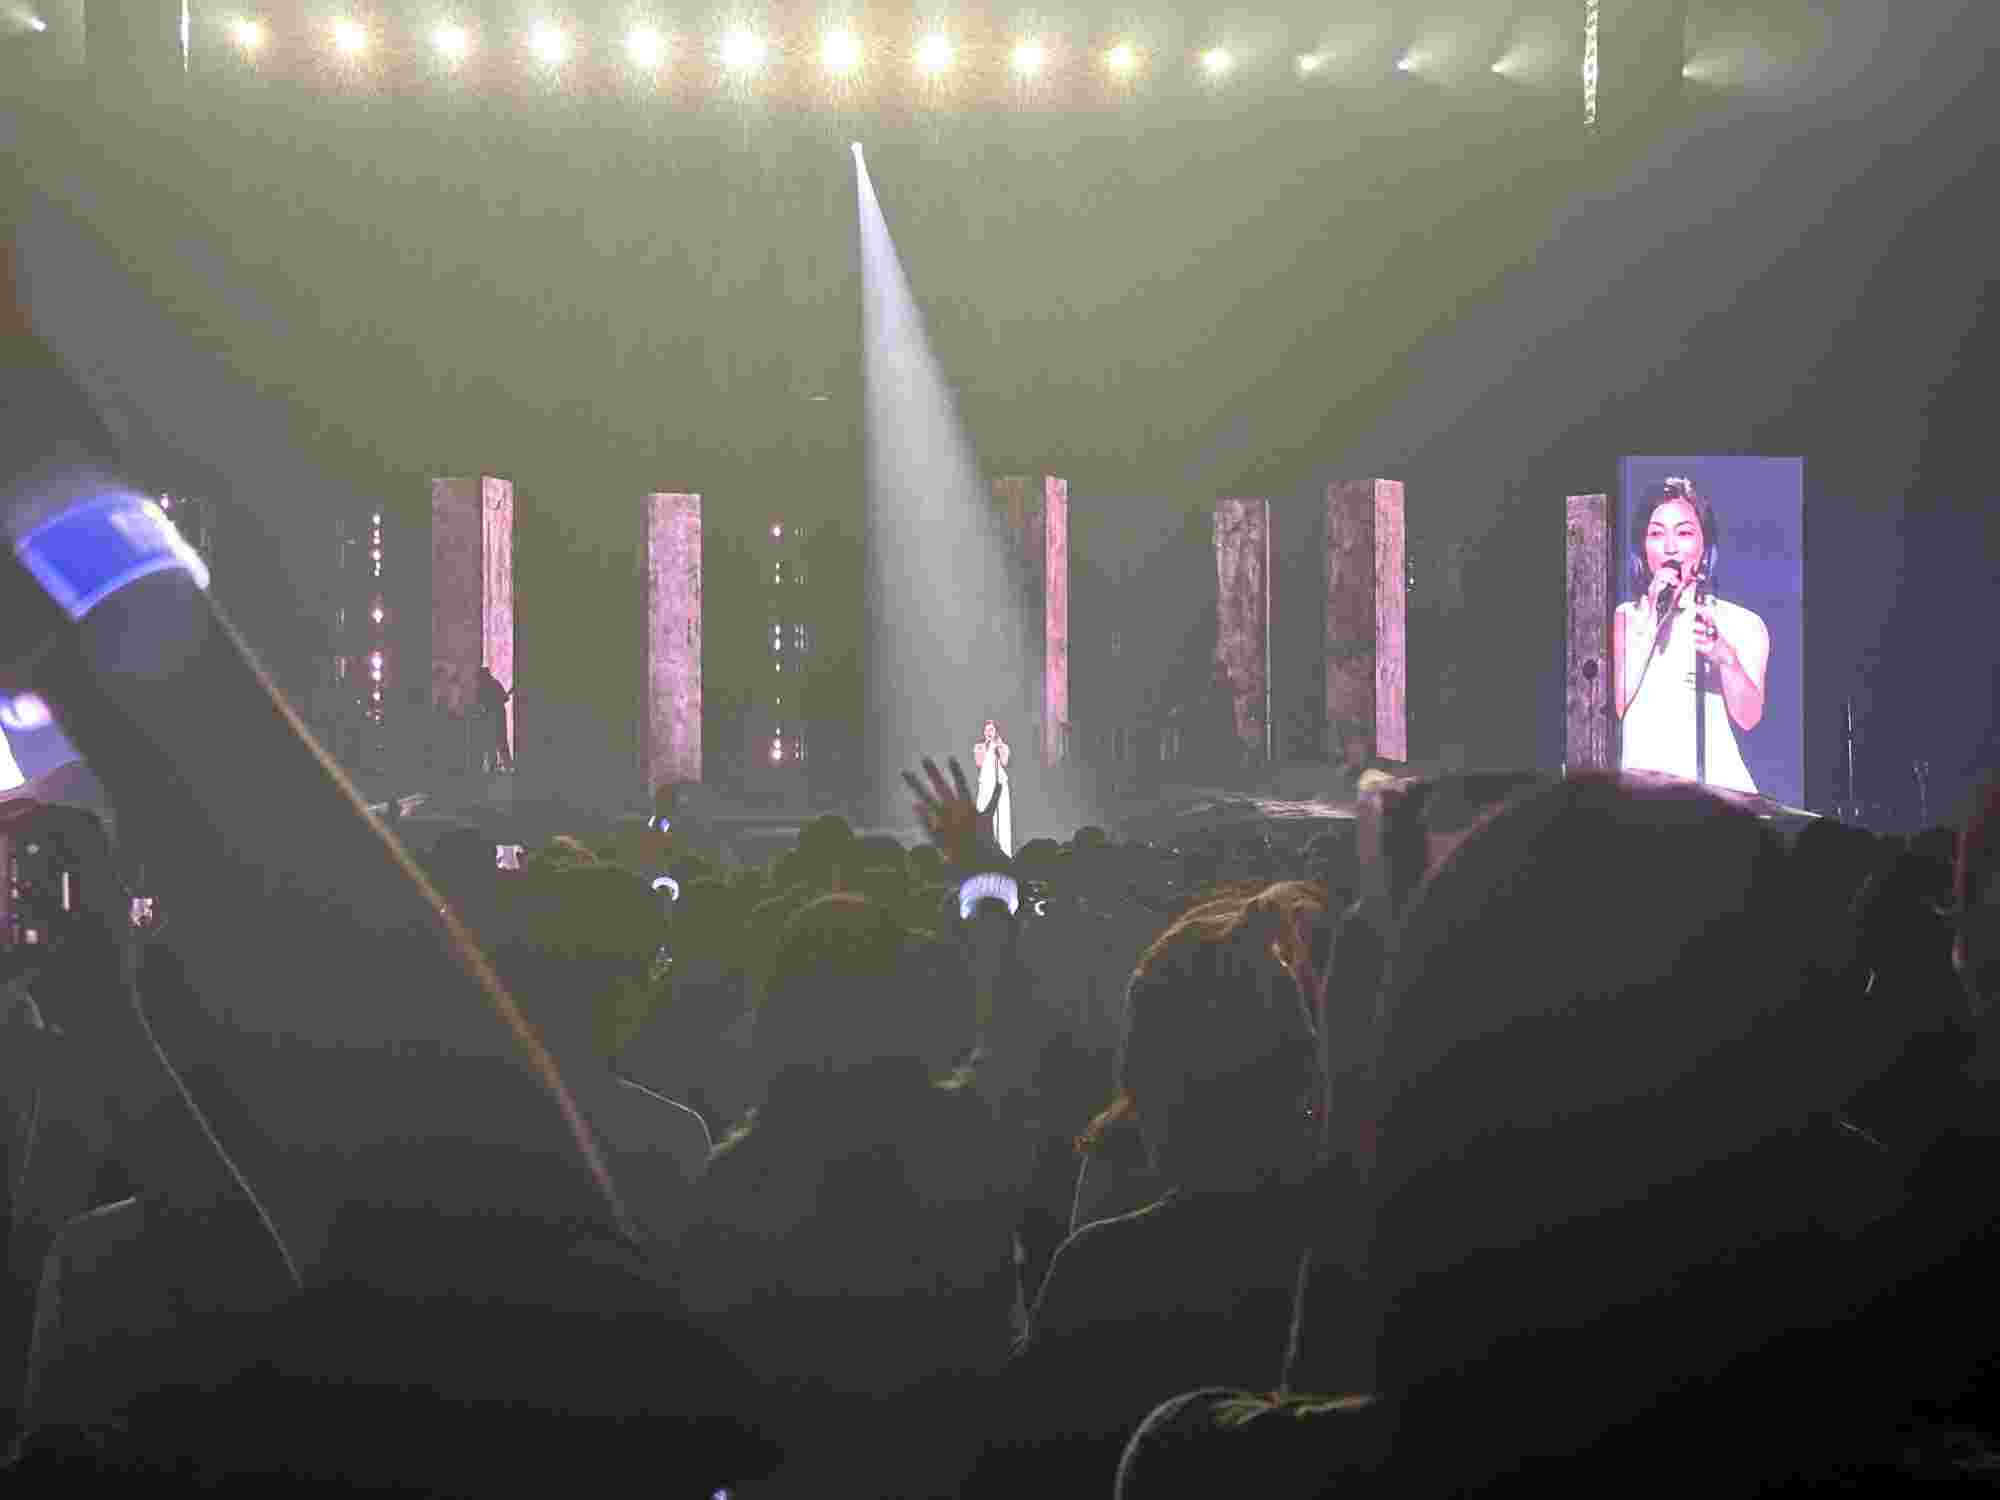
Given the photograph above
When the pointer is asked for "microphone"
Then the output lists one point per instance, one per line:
(1665, 603)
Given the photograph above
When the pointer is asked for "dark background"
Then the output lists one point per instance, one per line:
(301, 292)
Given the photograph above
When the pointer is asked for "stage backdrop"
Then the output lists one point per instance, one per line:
(1759, 506)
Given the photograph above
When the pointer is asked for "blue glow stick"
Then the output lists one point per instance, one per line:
(92, 550)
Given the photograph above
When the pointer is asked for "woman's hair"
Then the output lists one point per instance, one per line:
(1213, 1009)
(1650, 500)
(593, 913)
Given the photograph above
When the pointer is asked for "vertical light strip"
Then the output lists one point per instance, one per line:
(1590, 8)
(185, 27)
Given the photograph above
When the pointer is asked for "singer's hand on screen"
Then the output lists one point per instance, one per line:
(948, 812)
(1708, 639)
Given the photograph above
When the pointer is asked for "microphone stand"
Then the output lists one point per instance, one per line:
(1853, 795)
(1700, 695)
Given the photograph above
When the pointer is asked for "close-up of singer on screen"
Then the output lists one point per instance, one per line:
(1690, 665)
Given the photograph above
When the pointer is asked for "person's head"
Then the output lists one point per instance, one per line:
(1672, 522)
(1596, 1044)
(825, 845)
(888, 886)
(634, 843)
(989, 731)
(1975, 951)
(464, 864)
(588, 935)
(1217, 1056)
(562, 852)
(926, 863)
(1456, 804)
(1333, 858)
(835, 1003)
(1910, 1017)
(707, 920)
(1039, 859)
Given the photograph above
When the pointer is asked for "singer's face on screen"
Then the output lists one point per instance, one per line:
(1674, 535)
(991, 732)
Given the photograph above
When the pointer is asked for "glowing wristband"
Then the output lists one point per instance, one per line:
(993, 887)
(91, 551)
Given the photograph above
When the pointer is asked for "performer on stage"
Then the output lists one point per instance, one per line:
(1675, 645)
(493, 696)
(990, 754)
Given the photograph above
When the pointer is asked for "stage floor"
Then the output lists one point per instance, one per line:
(1178, 815)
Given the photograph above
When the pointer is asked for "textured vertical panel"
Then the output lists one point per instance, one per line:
(1055, 659)
(673, 640)
(1038, 524)
(1392, 638)
(496, 604)
(1587, 676)
(1366, 650)
(457, 583)
(1242, 612)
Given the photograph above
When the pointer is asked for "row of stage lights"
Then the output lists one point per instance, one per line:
(744, 52)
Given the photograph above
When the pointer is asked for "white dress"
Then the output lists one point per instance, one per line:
(10, 773)
(1658, 729)
(991, 772)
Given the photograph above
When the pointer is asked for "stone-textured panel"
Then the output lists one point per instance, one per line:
(1055, 658)
(496, 605)
(1243, 614)
(1587, 675)
(458, 540)
(1366, 637)
(1038, 523)
(673, 640)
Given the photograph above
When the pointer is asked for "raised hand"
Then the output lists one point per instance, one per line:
(948, 812)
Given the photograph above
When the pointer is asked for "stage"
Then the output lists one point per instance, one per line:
(1276, 809)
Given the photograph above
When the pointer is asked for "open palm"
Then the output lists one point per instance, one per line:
(949, 813)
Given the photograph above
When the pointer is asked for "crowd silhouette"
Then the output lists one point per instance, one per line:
(1529, 1129)
(1547, 1128)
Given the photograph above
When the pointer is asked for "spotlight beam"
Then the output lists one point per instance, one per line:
(949, 625)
